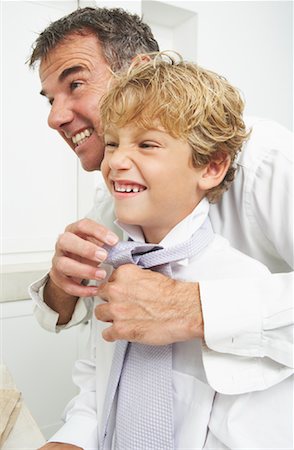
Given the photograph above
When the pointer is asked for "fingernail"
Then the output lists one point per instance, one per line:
(111, 239)
(100, 274)
(101, 255)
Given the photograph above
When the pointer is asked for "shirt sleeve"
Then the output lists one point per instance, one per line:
(48, 318)
(80, 416)
(248, 334)
(270, 200)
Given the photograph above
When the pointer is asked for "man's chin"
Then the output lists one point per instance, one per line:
(90, 166)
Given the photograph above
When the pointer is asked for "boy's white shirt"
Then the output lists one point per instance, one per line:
(241, 415)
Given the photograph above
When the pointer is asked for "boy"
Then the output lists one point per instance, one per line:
(172, 131)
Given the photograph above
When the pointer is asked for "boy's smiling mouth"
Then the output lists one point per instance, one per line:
(128, 187)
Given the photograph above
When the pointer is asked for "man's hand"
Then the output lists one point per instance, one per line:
(149, 308)
(78, 254)
(59, 446)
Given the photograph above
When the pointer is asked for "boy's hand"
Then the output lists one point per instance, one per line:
(149, 308)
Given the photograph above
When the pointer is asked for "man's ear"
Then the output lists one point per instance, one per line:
(140, 58)
(215, 171)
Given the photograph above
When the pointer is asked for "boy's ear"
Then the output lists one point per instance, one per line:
(215, 171)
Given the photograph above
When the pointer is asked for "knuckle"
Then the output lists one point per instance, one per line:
(81, 225)
(61, 240)
(136, 333)
(58, 265)
(113, 290)
(98, 311)
(70, 289)
(108, 334)
(68, 227)
(119, 328)
(130, 331)
(117, 310)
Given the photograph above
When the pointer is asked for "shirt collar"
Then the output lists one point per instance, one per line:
(180, 233)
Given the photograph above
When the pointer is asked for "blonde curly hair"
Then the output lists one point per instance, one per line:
(190, 102)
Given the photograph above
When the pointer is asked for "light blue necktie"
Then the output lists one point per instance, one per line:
(140, 381)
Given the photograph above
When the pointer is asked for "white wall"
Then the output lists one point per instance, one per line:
(250, 43)
(44, 188)
(38, 172)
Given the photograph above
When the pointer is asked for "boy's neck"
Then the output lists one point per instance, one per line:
(156, 234)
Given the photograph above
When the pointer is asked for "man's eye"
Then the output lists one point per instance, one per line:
(75, 84)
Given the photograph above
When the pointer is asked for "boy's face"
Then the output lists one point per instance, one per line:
(151, 177)
(74, 76)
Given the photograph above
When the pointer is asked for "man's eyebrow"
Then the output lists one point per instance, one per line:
(65, 73)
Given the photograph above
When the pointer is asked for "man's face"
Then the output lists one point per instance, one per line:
(74, 76)
(151, 177)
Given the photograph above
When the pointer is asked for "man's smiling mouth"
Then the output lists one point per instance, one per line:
(81, 137)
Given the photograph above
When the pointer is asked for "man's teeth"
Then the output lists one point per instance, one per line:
(128, 188)
(81, 137)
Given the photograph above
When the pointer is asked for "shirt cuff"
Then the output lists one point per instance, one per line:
(48, 318)
(80, 431)
(232, 316)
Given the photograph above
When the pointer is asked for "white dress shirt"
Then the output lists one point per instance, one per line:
(256, 216)
(205, 416)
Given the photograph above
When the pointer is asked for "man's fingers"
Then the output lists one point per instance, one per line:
(72, 268)
(72, 287)
(104, 313)
(91, 230)
(77, 247)
(128, 331)
(109, 312)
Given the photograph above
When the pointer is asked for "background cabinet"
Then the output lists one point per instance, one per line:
(40, 362)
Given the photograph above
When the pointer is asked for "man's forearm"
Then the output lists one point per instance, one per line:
(58, 300)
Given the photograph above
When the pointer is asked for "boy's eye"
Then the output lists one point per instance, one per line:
(148, 145)
(110, 144)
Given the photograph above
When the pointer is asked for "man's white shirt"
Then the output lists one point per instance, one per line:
(243, 317)
(248, 321)
(224, 410)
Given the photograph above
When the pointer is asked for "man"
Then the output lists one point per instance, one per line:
(251, 214)
(151, 151)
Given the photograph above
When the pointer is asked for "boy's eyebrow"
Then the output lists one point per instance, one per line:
(65, 73)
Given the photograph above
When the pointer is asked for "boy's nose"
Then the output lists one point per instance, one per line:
(120, 160)
(60, 115)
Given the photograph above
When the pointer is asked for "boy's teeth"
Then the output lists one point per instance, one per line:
(128, 188)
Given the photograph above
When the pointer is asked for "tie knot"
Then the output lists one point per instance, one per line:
(150, 256)
(131, 252)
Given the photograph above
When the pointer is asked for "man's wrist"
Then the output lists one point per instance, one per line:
(189, 322)
(196, 322)
(59, 301)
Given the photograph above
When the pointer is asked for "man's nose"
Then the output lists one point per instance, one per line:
(60, 115)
